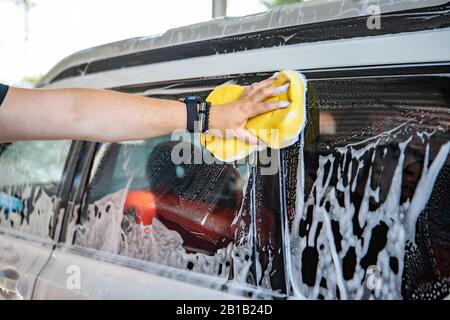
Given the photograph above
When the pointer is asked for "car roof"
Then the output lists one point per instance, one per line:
(283, 16)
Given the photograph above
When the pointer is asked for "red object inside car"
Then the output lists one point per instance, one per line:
(202, 226)
(200, 229)
(143, 204)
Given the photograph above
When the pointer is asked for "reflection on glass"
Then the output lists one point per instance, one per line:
(30, 173)
(191, 216)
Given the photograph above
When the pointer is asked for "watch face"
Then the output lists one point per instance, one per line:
(191, 98)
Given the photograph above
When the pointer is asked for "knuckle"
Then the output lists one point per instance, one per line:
(252, 107)
(251, 99)
(249, 109)
(244, 106)
(248, 99)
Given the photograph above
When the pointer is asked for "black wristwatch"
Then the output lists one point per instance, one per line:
(204, 108)
(197, 111)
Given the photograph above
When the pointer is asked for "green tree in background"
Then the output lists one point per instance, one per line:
(274, 3)
(33, 79)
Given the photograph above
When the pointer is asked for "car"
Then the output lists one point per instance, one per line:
(358, 208)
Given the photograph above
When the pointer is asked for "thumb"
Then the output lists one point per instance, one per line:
(246, 136)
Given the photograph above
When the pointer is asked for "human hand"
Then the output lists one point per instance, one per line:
(229, 120)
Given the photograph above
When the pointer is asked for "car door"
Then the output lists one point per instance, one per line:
(363, 207)
(139, 224)
(367, 185)
(31, 189)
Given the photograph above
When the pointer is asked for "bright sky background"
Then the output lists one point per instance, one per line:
(58, 28)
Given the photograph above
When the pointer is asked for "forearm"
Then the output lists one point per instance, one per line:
(119, 117)
(108, 116)
(87, 114)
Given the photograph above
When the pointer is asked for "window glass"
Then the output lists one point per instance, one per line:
(266, 207)
(367, 190)
(30, 173)
(191, 215)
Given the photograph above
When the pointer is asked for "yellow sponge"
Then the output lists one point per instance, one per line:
(278, 129)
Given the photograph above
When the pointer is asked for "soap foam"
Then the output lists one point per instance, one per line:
(400, 218)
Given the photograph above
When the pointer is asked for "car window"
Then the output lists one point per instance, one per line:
(30, 173)
(195, 216)
(367, 190)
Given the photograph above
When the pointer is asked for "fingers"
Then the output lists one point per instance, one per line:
(281, 89)
(275, 75)
(259, 92)
(263, 90)
(258, 86)
(263, 107)
(269, 92)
